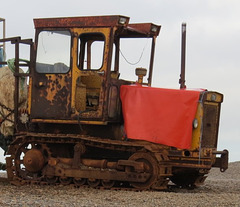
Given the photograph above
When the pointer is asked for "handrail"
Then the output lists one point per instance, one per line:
(16, 41)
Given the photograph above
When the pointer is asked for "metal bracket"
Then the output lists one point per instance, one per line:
(222, 161)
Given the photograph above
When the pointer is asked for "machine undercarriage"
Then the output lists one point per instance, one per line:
(49, 158)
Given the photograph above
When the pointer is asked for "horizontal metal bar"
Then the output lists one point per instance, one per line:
(21, 74)
(100, 174)
(220, 152)
(26, 41)
(68, 121)
(10, 39)
(21, 64)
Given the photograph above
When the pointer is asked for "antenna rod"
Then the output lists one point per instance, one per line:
(183, 57)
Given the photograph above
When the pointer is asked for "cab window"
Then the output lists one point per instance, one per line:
(53, 52)
(91, 51)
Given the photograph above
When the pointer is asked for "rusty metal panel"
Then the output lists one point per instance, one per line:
(113, 101)
(51, 96)
(91, 21)
(131, 30)
(222, 161)
(145, 28)
(210, 125)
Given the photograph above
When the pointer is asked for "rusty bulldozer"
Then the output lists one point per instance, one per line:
(75, 118)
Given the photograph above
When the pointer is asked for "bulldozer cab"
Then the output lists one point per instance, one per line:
(76, 74)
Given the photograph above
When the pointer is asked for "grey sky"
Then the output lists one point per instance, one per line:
(213, 43)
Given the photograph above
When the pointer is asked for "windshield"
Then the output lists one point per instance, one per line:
(53, 52)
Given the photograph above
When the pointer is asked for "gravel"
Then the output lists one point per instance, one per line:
(220, 189)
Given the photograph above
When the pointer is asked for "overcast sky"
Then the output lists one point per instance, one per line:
(213, 43)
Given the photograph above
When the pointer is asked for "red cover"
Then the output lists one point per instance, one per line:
(159, 115)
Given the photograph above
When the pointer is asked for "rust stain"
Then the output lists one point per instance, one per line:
(51, 97)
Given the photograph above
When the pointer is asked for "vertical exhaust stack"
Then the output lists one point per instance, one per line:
(183, 57)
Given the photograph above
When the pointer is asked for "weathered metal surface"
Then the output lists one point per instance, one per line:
(18, 90)
(51, 96)
(113, 102)
(146, 29)
(183, 57)
(61, 167)
(140, 73)
(139, 165)
(211, 114)
(130, 30)
(222, 161)
(33, 160)
(91, 21)
(95, 96)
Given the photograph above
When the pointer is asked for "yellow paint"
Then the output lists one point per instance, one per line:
(55, 81)
(212, 98)
(217, 97)
(29, 95)
(76, 72)
(196, 135)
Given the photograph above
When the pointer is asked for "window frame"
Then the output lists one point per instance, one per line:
(82, 51)
(54, 30)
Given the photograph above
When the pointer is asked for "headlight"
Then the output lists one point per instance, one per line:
(122, 20)
(154, 28)
(195, 123)
(213, 97)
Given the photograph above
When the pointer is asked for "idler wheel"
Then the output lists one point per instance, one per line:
(151, 166)
(33, 160)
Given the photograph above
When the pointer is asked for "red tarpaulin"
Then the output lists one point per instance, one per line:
(159, 115)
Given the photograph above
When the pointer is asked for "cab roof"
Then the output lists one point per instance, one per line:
(121, 22)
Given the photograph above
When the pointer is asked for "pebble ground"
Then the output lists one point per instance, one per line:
(220, 189)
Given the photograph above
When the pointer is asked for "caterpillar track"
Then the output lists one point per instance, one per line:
(35, 158)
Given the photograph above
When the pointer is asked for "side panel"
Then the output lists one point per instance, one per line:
(210, 124)
(52, 75)
(208, 114)
(51, 96)
(197, 133)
